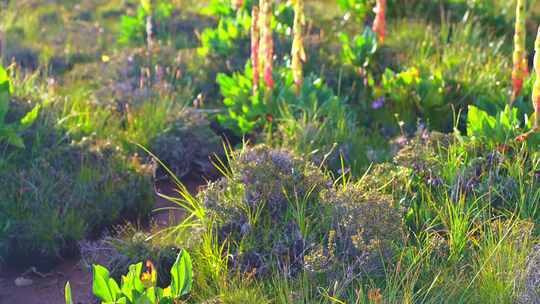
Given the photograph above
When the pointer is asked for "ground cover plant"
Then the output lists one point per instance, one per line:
(235, 151)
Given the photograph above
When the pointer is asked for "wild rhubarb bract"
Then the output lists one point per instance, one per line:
(255, 39)
(520, 70)
(379, 25)
(236, 4)
(267, 43)
(298, 54)
(536, 88)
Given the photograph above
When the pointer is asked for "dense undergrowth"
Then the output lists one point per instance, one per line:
(357, 151)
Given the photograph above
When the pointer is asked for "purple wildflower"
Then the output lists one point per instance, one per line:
(378, 103)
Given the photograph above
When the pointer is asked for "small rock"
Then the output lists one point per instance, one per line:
(23, 282)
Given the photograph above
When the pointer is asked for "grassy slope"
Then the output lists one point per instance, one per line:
(470, 210)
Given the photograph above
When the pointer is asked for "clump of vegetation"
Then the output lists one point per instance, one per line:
(273, 210)
(10, 131)
(378, 151)
(76, 187)
(128, 245)
(187, 145)
(365, 233)
(141, 287)
(264, 208)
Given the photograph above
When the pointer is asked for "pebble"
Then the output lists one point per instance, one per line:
(23, 282)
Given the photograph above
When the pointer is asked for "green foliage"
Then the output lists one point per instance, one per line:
(412, 95)
(248, 112)
(230, 37)
(358, 8)
(224, 39)
(181, 274)
(133, 28)
(359, 50)
(138, 287)
(10, 131)
(67, 293)
(499, 129)
(245, 111)
(502, 128)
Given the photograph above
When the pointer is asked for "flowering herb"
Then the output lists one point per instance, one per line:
(267, 43)
(520, 69)
(236, 4)
(378, 103)
(255, 43)
(149, 277)
(298, 53)
(536, 91)
(379, 25)
(536, 87)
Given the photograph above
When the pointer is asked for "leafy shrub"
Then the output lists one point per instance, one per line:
(10, 130)
(499, 129)
(248, 112)
(231, 35)
(233, 27)
(245, 111)
(412, 94)
(358, 51)
(140, 287)
(313, 122)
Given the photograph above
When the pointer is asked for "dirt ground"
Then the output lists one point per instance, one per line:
(48, 288)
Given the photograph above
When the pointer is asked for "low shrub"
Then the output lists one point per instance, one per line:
(366, 230)
(66, 194)
(273, 209)
(56, 191)
(253, 207)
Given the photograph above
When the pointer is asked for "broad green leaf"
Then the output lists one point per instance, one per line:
(29, 118)
(181, 274)
(67, 294)
(147, 6)
(5, 82)
(113, 287)
(4, 105)
(131, 283)
(10, 135)
(100, 286)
